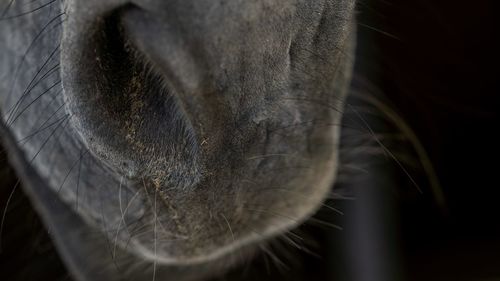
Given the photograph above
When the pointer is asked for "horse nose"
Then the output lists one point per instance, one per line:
(123, 106)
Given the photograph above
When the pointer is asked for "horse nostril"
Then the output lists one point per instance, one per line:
(122, 107)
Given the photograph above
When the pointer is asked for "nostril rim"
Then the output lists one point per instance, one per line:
(123, 109)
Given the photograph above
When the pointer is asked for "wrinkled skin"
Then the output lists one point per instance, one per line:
(177, 134)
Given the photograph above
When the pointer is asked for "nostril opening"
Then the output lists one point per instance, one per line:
(122, 107)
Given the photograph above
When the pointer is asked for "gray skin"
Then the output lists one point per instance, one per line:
(171, 139)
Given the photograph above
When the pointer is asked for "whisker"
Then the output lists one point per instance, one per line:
(23, 59)
(12, 110)
(324, 223)
(64, 120)
(387, 151)
(41, 128)
(78, 180)
(122, 220)
(302, 195)
(155, 236)
(7, 8)
(379, 31)
(270, 155)
(71, 169)
(417, 145)
(4, 214)
(106, 234)
(229, 226)
(33, 101)
(28, 12)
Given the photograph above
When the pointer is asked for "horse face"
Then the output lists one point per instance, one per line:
(183, 131)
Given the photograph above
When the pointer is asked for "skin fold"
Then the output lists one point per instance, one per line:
(172, 138)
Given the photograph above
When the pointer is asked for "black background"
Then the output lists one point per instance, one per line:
(438, 67)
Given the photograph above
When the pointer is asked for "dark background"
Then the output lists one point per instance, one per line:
(436, 62)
